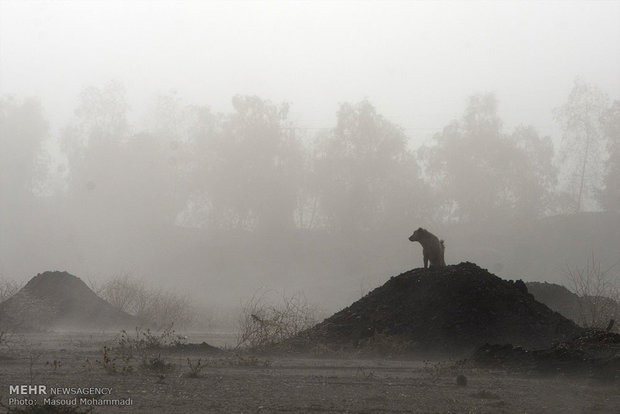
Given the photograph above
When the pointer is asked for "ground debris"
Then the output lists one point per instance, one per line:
(594, 353)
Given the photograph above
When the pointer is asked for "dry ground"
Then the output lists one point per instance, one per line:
(229, 383)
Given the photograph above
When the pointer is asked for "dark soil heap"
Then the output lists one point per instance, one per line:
(451, 309)
(59, 300)
(558, 298)
(594, 353)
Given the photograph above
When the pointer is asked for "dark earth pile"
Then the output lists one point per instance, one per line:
(591, 310)
(451, 309)
(594, 353)
(557, 297)
(59, 300)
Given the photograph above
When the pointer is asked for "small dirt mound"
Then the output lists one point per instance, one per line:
(59, 300)
(202, 347)
(594, 353)
(452, 309)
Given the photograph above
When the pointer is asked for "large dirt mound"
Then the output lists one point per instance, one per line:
(59, 300)
(558, 298)
(452, 309)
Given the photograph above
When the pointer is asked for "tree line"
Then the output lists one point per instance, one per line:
(252, 171)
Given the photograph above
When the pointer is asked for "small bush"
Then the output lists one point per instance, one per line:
(114, 365)
(263, 323)
(598, 291)
(8, 288)
(194, 368)
(118, 358)
(157, 364)
(145, 339)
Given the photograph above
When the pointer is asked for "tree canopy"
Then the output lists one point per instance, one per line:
(481, 173)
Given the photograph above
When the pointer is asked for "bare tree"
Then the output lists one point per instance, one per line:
(583, 141)
(610, 195)
(152, 306)
(598, 291)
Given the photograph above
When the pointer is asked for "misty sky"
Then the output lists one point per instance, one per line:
(416, 61)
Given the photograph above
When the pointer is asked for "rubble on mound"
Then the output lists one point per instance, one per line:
(453, 309)
(594, 353)
(59, 300)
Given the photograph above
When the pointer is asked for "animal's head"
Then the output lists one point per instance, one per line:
(417, 235)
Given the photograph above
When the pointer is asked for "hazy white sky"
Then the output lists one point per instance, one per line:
(416, 61)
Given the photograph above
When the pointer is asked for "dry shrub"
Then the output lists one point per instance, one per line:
(153, 307)
(8, 288)
(266, 321)
(598, 291)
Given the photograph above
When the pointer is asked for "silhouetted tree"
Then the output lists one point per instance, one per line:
(480, 173)
(252, 161)
(23, 163)
(610, 195)
(535, 176)
(91, 144)
(121, 186)
(368, 179)
(583, 143)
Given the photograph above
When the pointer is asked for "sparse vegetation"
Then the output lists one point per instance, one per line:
(153, 307)
(145, 339)
(264, 323)
(5, 339)
(194, 368)
(157, 364)
(54, 364)
(119, 357)
(238, 360)
(8, 288)
(599, 293)
(115, 365)
(365, 373)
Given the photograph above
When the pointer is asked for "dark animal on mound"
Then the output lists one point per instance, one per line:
(433, 249)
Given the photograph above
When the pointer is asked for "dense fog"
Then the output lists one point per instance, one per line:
(223, 148)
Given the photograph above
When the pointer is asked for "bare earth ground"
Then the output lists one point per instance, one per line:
(229, 383)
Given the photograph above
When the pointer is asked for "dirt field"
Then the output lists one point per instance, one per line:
(161, 381)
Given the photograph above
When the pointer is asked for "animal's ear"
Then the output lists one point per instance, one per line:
(420, 229)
